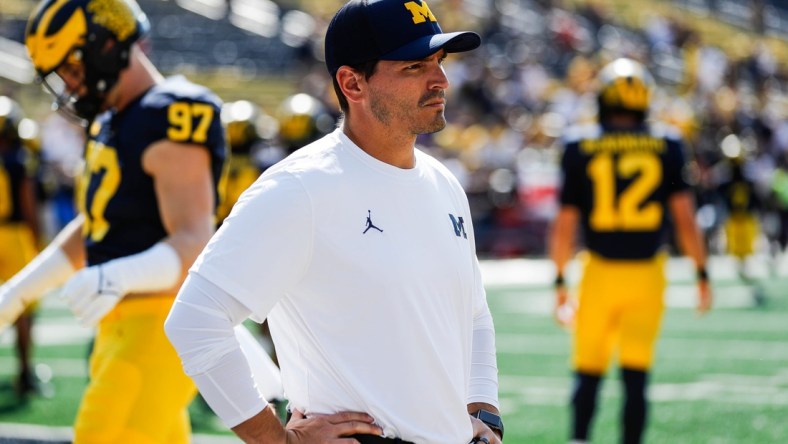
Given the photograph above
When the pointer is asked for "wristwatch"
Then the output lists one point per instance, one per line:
(492, 420)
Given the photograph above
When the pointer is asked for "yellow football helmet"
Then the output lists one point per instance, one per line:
(97, 34)
(302, 120)
(625, 86)
(241, 120)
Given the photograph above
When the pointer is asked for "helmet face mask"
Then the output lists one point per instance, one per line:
(625, 87)
(64, 85)
(96, 34)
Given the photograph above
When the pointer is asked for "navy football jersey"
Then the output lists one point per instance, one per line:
(621, 182)
(115, 194)
(739, 196)
(16, 164)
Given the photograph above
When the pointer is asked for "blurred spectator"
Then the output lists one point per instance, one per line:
(19, 229)
(537, 63)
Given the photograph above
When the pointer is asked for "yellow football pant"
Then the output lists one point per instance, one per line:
(137, 392)
(17, 248)
(741, 230)
(620, 309)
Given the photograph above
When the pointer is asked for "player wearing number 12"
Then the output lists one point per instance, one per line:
(147, 197)
(622, 179)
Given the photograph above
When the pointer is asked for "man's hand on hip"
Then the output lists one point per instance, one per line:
(318, 429)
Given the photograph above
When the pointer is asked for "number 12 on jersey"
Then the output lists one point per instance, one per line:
(627, 209)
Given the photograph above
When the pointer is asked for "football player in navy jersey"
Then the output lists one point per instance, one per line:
(742, 211)
(249, 130)
(154, 153)
(622, 179)
(19, 227)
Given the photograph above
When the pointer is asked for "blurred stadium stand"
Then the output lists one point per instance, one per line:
(209, 39)
(253, 37)
(262, 37)
(768, 17)
(721, 65)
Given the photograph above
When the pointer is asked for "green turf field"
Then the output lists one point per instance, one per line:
(719, 379)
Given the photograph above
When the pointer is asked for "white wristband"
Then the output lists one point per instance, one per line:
(50, 269)
(155, 269)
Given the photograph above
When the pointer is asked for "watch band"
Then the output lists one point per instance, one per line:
(492, 420)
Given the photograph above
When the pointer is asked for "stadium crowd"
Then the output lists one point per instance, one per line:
(536, 74)
(533, 80)
(533, 76)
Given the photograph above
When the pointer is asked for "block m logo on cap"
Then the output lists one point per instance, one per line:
(420, 12)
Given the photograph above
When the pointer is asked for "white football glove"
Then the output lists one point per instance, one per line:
(92, 293)
(11, 306)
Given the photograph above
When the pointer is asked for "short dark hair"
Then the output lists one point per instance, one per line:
(366, 68)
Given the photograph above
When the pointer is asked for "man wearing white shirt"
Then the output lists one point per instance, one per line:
(359, 250)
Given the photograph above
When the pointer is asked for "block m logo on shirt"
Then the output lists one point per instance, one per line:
(459, 226)
(420, 12)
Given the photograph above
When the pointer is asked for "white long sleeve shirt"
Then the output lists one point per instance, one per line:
(368, 276)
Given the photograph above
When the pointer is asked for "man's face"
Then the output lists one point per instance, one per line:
(68, 83)
(73, 76)
(410, 95)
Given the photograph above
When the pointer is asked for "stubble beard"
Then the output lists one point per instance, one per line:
(388, 108)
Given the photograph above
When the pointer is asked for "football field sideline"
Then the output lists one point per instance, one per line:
(531, 275)
(732, 364)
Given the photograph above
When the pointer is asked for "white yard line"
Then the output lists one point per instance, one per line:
(540, 302)
(745, 389)
(29, 432)
(542, 271)
(63, 329)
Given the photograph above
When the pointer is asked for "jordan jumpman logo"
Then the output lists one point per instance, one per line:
(370, 224)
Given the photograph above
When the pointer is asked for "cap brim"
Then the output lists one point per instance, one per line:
(424, 46)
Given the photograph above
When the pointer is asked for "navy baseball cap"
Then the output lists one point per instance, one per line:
(366, 30)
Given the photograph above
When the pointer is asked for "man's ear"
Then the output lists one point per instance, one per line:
(352, 83)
